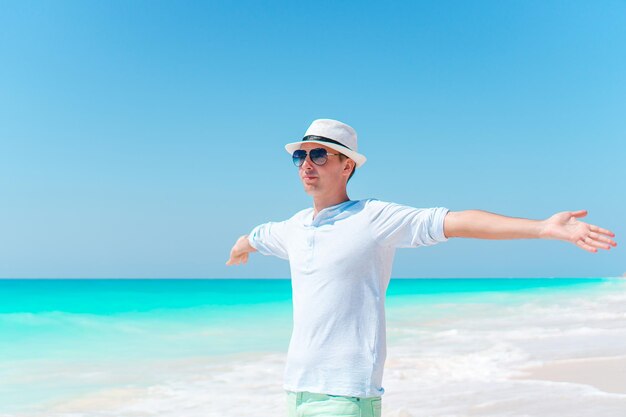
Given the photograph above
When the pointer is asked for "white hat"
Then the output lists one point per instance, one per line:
(334, 134)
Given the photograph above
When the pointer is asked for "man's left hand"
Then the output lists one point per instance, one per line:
(566, 226)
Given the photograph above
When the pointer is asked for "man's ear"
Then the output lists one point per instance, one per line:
(349, 165)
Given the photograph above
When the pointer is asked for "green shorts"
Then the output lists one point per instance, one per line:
(309, 404)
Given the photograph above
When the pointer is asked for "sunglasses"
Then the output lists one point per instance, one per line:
(319, 156)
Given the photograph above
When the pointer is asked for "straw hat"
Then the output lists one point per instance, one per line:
(334, 134)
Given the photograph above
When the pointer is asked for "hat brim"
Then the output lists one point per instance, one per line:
(355, 156)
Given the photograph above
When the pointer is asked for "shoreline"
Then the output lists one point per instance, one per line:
(607, 374)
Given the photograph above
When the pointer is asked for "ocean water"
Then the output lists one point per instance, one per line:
(218, 347)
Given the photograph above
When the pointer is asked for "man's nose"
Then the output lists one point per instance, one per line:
(307, 162)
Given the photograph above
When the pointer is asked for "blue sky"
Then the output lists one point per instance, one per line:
(140, 139)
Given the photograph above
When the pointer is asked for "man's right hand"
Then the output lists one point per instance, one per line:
(239, 252)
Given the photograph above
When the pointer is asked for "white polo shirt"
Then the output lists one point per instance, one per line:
(340, 268)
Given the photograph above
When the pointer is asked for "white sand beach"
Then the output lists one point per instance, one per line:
(606, 374)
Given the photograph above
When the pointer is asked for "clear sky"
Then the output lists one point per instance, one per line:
(140, 139)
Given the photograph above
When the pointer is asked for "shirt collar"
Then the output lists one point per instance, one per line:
(327, 214)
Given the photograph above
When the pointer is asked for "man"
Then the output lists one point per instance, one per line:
(341, 253)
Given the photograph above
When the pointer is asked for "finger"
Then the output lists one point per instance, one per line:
(596, 243)
(595, 228)
(601, 238)
(243, 258)
(585, 246)
(579, 213)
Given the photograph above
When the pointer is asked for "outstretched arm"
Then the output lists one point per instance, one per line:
(239, 252)
(562, 226)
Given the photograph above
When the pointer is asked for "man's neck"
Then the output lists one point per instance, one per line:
(320, 203)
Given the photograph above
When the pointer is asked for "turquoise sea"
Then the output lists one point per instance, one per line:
(81, 347)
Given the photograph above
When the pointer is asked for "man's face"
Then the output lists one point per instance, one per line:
(328, 178)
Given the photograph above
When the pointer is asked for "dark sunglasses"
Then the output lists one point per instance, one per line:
(319, 156)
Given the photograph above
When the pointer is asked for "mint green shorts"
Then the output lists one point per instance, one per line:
(309, 404)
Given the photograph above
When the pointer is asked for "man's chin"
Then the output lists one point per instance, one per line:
(310, 189)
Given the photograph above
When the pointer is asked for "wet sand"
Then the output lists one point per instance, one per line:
(606, 374)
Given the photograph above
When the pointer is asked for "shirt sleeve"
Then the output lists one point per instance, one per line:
(270, 239)
(407, 227)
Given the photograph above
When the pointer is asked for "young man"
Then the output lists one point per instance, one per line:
(341, 252)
